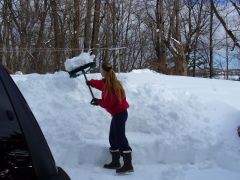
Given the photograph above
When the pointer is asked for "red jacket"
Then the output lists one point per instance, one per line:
(109, 100)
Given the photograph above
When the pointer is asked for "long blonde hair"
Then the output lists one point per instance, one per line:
(112, 83)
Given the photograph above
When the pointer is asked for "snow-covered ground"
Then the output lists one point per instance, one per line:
(180, 128)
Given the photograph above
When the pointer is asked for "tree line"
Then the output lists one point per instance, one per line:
(182, 37)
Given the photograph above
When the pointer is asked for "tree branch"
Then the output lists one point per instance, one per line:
(236, 7)
(229, 32)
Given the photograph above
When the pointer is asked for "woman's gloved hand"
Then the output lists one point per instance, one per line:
(88, 83)
(94, 102)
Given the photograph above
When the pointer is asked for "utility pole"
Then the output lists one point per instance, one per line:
(227, 53)
(211, 42)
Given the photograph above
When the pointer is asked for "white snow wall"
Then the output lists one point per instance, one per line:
(167, 122)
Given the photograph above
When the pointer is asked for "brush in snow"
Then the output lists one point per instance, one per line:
(83, 70)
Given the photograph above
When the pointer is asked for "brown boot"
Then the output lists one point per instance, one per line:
(127, 166)
(115, 164)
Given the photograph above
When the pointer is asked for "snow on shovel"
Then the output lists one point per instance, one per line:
(80, 65)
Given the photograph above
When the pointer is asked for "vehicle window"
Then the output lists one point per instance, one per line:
(15, 159)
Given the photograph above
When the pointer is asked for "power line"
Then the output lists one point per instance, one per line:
(4, 50)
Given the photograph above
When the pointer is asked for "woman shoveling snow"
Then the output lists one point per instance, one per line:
(114, 101)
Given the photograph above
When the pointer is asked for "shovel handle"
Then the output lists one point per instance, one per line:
(88, 85)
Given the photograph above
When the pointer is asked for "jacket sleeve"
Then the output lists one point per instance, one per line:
(101, 103)
(98, 84)
(109, 102)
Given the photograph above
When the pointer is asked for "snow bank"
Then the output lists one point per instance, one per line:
(172, 120)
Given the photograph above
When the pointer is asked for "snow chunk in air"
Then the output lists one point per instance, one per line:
(75, 62)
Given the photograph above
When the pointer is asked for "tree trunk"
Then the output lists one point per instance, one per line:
(1, 48)
(76, 28)
(227, 57)
(114, 33)
(180, 58)
(37, 65)
(96, 26)
(6, 34)
(211, 43)
(87, 30)
(57, 36)
(106, 35)
(225, 26)
(174, 45)
(160, 46)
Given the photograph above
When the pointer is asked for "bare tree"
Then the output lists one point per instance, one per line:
(237, 8)
(194, 17)
(6, 32)
(173, 40)
(76, 28)
(87, 29)
(160, 45)
(106, 33)
(58, 40)
(167, 36)
(211, 42)
(37, 63)
(96, 26)
(224, 24)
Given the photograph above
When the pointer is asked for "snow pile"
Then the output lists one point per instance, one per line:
(75, 62)
(178, 127)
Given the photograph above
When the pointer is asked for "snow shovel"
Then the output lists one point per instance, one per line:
(75, 72)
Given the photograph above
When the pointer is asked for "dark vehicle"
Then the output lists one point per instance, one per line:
(24, 152)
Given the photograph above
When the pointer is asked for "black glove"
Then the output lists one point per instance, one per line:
(88, 83)
(94, 102)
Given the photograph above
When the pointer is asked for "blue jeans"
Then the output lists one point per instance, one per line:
(117, 137)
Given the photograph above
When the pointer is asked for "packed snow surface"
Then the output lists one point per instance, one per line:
(180, 128)
(75, 62)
